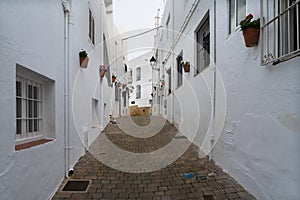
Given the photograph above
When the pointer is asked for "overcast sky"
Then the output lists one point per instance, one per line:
(136, 14)
(133, 17)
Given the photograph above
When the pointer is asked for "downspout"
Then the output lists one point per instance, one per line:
(212, 136)
(173, 62)
(66, 7)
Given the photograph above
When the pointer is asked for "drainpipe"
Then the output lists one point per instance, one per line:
(66, 7)
(173, 66)
(212, 136)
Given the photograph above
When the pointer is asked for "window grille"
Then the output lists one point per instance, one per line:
(280, 30)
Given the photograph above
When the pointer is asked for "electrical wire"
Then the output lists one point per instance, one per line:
(141, 33)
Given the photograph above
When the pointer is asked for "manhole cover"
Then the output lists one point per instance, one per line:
(76, 186)
(208, 197)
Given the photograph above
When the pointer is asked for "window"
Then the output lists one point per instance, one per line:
(280, 30)
(170, 84)
(35, 108)
(138, 74)
(130, 77)
(116, 92)
(179, 70)
(237, 12)
(203, 44)
(95, 113)
(167, 26)
(91, 27)
(124, 98)
(138, 92)
(28, 108)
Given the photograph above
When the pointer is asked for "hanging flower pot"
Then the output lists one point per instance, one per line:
(186, 66)
(83, 59)
(113, 78)
(251, 36)
(102, 71)
(250, 30)
(168, 71)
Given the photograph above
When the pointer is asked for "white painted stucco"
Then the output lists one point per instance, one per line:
(32, 36)
(256, 128)
(145, 82)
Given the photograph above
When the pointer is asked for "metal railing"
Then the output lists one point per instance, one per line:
(280, 30)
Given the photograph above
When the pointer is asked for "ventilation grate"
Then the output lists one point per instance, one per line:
(208, 197)
(76, 186)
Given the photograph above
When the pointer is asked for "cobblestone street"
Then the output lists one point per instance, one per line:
(209, 181)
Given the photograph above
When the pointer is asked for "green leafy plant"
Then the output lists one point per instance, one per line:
(83, 54)
(247, 23)
(114, 76)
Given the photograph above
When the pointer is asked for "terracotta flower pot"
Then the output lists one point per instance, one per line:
(251, 36)
(113, 79)
(186, 67)
(102, 73)
(102, 70)
(84, 62)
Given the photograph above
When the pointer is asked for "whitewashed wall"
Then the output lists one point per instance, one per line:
(30, 173)
(145, 82)
(257, 109)
(263, 116)
(39, 46)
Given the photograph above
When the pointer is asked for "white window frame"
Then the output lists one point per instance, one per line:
(280, 31)
(238, 16)
(29, 133)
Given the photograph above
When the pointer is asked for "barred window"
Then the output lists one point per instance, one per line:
(28, 108)
(280, 30)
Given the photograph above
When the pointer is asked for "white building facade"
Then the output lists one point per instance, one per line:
(49, 102)
(140, 77)
(240, 105)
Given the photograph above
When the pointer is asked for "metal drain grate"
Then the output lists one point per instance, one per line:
(208, 197)
(76, 186)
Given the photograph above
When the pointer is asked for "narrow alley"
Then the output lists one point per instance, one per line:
(209, 181)
(150, 99)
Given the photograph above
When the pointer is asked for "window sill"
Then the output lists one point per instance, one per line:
(31, 144)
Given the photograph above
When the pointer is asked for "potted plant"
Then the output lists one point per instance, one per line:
(162, 82)
(186, 66)
(250, 30)
(113, 78)
(102, 70)
(83, 58)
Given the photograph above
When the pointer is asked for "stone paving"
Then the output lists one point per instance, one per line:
(209, 181)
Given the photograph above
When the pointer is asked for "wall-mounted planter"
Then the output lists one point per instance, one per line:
(113, 79)
(186, 67)
(168, 71)
(83, 58)
(84, 61)
(102, 71)
(251, 36)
